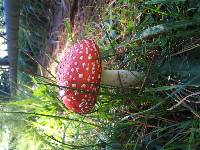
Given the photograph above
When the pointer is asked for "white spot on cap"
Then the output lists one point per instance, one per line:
(80, 105)
(67, 65)
(81, 57)
(99, 76)
(75, 92)
(87, 68)
(83, 85)
(73, 85)
(89, 56)
(94, 46)
(82, 110)
(76, 63)
(69, 100)
(81, 45)
(86, 42)
(64, 98)
(80, 75)
(61, 93)
(86, 50)
(83, 102)
(72, 70)
(74, 57)
(83, 65)
(77, 69)
(92, 104)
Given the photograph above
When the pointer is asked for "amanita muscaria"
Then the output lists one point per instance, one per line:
(80, 74)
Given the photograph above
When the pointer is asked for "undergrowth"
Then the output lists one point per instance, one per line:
(34, 33)
(157, 37)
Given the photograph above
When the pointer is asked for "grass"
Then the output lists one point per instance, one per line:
(34, 31)
(159, 38)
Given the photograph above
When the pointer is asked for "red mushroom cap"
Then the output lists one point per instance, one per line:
(79, 75)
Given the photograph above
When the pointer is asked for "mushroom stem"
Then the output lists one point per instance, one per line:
(121, 78)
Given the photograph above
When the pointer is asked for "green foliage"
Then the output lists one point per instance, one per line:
(45, 119)
(35, 25)
(158, 37)
(155, 37)
(68, 30)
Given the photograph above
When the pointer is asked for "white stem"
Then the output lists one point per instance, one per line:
(121, 78)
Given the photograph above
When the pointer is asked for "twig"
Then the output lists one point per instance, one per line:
(147, 75)
(184, 99)
(40, 64)
(188, 48)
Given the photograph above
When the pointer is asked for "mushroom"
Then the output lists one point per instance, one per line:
(80, 73)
